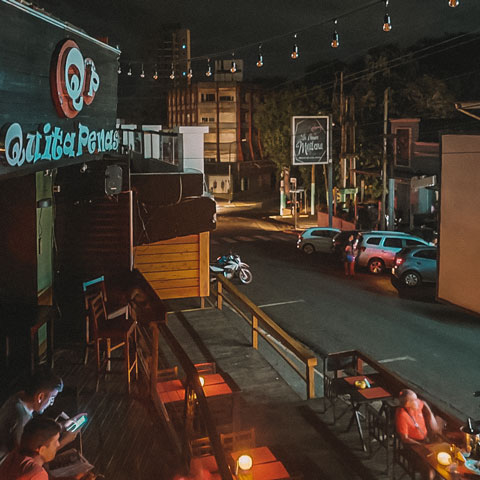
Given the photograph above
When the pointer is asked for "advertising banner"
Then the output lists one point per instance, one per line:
(310, 140)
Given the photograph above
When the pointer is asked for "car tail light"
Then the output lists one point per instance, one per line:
(399, 261)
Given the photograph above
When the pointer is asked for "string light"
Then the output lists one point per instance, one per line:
(190, 73)
(335, 38)
(294, 53)
(172, 75)
(155, 74)
(208, 73)
(142, 75)
(129, 73)
(233, 68)
(260, 57)
(453, 3)
(387, 24)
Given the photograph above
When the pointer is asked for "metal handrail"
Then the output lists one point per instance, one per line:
(262, 324)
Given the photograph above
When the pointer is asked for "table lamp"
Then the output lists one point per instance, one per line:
(243, 468)
(444, 458)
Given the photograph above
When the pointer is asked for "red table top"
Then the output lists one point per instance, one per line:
(352, 380)
(259, 455)
(173, 391)
(374, 393)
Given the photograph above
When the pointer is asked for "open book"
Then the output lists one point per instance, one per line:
(69, 464)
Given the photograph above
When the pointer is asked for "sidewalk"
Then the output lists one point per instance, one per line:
(293, 428)
(270, 208)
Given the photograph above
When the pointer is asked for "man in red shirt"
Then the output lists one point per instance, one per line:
(38, 445)
(412, 418)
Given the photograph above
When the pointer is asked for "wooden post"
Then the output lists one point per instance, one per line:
(219, 295)
(255, 332)
(311, 363)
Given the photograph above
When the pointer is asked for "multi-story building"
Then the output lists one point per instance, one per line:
(233, 156)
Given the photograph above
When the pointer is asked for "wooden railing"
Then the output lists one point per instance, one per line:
(261, 324)
(148, 345)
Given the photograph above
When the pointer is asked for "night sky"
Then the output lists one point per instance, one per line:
(220, 27)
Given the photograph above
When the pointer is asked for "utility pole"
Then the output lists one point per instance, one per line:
(343, 137)
(330, 176)
(312, 197)
(384, 158)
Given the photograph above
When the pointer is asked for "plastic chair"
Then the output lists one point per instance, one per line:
(112, 327)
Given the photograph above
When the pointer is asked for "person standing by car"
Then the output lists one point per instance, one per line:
(349, 256)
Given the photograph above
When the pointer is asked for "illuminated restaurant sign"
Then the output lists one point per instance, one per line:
(50, 143)
(61, 106)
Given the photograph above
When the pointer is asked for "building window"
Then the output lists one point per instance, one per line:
(208, 97)
(208, 119)
(226, 98)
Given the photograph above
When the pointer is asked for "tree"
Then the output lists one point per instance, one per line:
(273, 119)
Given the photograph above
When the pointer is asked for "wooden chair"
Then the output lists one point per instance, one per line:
(335, 366)
(90, 289)
(403, 457)
(110, 327)
(243, 439)
(380, 433)
(206, 368)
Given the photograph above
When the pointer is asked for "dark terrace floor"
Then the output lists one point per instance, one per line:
(124, 438)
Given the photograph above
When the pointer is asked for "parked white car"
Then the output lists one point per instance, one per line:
(316, 239)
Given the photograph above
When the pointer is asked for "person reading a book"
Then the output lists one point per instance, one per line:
(39, 394)
(38, 445)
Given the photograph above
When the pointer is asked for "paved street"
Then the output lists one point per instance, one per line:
(433, 346)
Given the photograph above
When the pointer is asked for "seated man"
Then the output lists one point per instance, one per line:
(39, 394)
(38, 445)
(414, 419)
(415, 422)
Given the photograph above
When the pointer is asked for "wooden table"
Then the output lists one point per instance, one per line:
(359, 397)
(427, 453)
(174, 391)
(265, 465)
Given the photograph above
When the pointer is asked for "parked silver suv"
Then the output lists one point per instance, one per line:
(377, 249)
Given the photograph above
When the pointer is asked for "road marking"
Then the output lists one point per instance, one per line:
(262, 237)
(229, 240)
(281, 303)
(245, 239)
(280, 236)
(397, 359)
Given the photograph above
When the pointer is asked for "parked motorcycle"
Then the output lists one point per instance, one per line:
(231, 266)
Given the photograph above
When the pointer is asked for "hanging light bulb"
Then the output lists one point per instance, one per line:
(387, 23)
(294, 53)
(129, 73)
(260, 57)
(172, 75)
(190, 73)
(119, 71)
(335, 38)
(233, 68)
(155, 74)
(453, 3)
(208, 73)
(142, 75)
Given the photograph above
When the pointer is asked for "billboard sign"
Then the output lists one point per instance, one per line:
(310, 140)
